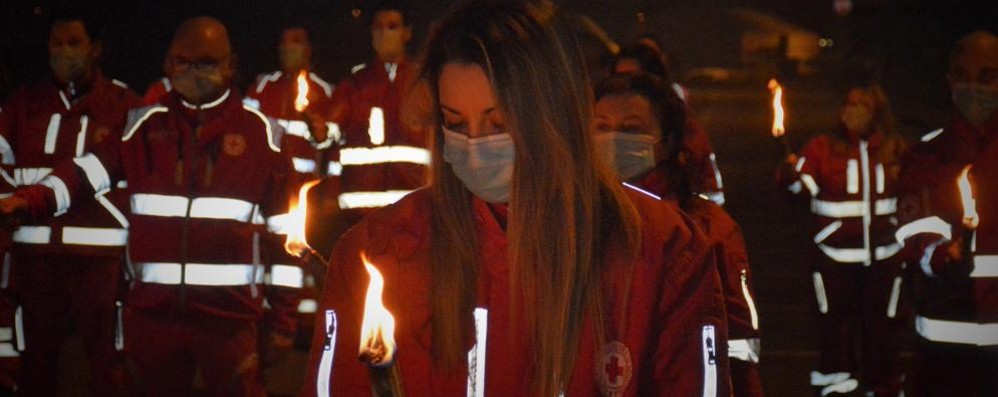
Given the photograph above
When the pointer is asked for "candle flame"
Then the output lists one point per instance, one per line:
(777, 90)
(295, 243)
(301, 100)
(377, 330)
(970, 218)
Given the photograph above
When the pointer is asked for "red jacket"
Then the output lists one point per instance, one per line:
(156, 91)
(274, 95)
(382, 158)
(956, 303)
(705, 175)
(725, 237)
(44, 129)
(199, 185)
(673, 344)
(851, 185)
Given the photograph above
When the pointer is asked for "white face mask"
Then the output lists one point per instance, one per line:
(631, 155)
(484, 165)
(977, 103)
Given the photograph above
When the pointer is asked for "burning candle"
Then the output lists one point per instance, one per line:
(970, 218)
(778, 128)
(301, 100)
(377, 338)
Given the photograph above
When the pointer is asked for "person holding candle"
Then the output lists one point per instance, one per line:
(954, 257)
(525, 262)
(639, 123)
(851, 179)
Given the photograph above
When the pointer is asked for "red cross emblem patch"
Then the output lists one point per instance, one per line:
(614, 369)
(233, 144)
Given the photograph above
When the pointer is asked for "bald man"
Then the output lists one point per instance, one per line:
(956, 265)
(204, 174)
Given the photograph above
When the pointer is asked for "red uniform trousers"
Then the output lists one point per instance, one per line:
(167, 349)
(60, 293)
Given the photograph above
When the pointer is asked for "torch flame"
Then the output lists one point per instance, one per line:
(777, 91)
(295, 242)
(301, 101)
(377, 331)
(970, 218)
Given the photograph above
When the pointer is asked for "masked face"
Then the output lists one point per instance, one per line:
(631, 155)
(484, 165)
(199, 86)
(71, 53)
(977, 103)
(389, 35)
(293, 57)
(857, 118)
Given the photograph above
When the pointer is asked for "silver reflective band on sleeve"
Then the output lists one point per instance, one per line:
(98, 236)
(849, 209)
(384, 155)
(819, 292)
(371, 199)
(32, 235)
(334, 168)
(856, 255)
(827, 231)
(30, 176)
(201, 207)
(61, 192)
(216, 275)
(95, 171)
(933, 224)
(811, 185)
(744, 349)
(477, 355)
(287, 276)
(709, 361)
(892, 304)
(957, 331)
(308, 306)
(926, 261)
(328, 353)
(303, 166)
(985, 266)
(6, 152)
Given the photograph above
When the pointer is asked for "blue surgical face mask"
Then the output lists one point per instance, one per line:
(631, 155)
(975, 102)
(484, 164)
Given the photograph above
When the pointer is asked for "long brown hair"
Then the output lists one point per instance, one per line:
(565, 207)
(883, 123)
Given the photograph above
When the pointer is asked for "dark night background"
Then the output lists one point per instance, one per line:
(904, 43)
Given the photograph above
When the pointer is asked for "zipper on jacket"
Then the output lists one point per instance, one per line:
(709, 362)
(328, 352)
(185, 230)
(749, 300)
(477, 355)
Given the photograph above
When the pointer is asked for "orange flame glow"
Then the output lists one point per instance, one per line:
(301, 101)
(970, 218)
(777, 90)
(377, 331)
(295, 221)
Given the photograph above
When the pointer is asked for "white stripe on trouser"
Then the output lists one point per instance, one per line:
(967, 333)
(477, 354)
(839, 382)
(858, 255)
(201, 207)
(328, 353)
(819, 291)
(852, 209)
(30, 176)
(709, 361)
(371, 199)
(744, 349)
(287, 276)
(985, 266)
(892, 304)
(33, 235)
(383, 155)
(217, 275)
(932, 224)
(98, 236)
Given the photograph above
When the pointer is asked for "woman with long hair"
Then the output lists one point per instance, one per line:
(850, 178)
(639, 125)
(525, 267)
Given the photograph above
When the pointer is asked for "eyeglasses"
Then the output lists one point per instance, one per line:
(205, 64)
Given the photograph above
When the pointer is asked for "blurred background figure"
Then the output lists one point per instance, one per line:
(383, 157)
(71, 265)
(640, 123)
(850, 178)
(953, 256)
